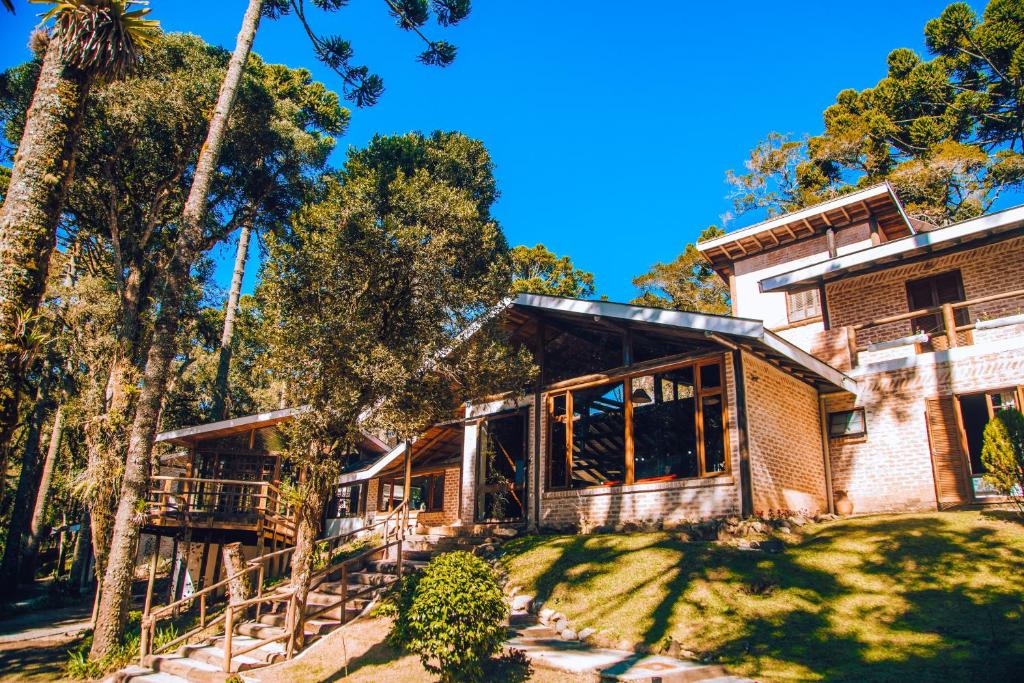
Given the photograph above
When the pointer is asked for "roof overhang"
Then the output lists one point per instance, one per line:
(741, 332)
(878, 201)
(189, 435)
(890, 254)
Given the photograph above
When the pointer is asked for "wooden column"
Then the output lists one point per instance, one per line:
(949, 320)
(746, 486)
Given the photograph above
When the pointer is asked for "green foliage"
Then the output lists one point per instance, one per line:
(453, 616)
(687, 284)
(538, 271)
(79, 667)
(1002, 453)
(944, 131)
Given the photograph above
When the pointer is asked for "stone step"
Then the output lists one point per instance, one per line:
(335, 588)
(368, 578)
(209, 654)
(255, 629)
(391, 566)
(318, 626)
(141, 674)
(268, 654)
(185, 668)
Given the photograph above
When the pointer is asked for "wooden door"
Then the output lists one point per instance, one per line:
(949, 453)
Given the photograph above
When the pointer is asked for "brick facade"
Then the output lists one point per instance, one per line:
(450, 513)
(786, 462)
(890, 468)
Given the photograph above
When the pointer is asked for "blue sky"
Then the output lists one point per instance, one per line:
(611, 124)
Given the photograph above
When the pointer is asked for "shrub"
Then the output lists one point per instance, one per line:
(1002, 452)
(453, 615)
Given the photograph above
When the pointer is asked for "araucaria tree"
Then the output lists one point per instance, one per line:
(539, 271)
(688, 283)
(360, 86)
(91, 40)
(366, 300)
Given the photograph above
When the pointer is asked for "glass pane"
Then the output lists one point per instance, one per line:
(583, 352)
(503, 476)
(598, 436)
(664, 426)
(710, 376)
(714, 434)
(556, 453)
(437, 496)
(1003, 400)
(418, 487)
(846, 423)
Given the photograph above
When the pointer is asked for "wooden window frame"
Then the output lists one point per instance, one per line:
(390, 481)
(626, 379)
(849, 435)
(807, 319)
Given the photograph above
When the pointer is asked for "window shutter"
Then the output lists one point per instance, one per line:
(803, 305)
(949, 457)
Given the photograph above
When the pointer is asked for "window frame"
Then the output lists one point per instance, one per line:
(626, 379)
(808, 318)
(389, 483)
(849, 435)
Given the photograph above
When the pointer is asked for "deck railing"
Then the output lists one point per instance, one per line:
(955, 334)
(213, 502)
(392, 528)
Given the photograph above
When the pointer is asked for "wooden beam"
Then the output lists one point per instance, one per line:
(846, 213)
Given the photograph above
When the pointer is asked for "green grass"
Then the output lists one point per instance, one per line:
(927, 597)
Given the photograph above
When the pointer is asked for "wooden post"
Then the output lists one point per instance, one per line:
(152, 577)
(229, 626)
(344, 593)
(950, 322)
(202, 610)
(406, 492)
(851, 343)
(746, 485)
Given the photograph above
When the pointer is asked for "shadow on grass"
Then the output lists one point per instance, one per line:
(922, 598)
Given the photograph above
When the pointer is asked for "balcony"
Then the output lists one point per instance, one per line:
(938, 328)
(227, 504)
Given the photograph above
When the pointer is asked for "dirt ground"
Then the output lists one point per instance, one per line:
(34, 644)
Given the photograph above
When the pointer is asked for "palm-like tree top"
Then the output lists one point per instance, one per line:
(101, 37)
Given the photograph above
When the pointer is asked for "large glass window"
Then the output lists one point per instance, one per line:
(345, 501)
(501, 468)
(665, 425)
(598, 436)
(672, 426)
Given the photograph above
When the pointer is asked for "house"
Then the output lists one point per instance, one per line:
(865, 352)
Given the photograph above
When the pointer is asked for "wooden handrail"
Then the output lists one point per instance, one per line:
(937, 309)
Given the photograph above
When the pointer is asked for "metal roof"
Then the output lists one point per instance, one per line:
(893, 253)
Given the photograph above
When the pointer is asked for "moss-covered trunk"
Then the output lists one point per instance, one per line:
(19, 525)
(30, 556)
(43, 168)
(116, 589)
(309, 515)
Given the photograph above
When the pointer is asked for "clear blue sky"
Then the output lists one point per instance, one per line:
(611, 123)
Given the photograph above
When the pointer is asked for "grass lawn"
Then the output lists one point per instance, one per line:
(913, 598)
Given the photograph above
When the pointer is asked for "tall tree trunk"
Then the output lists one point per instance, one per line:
(19, 527)
(43, 168)
(220, 387)
(309, 519)
(83, 552)
(116, 590)
(30, 555)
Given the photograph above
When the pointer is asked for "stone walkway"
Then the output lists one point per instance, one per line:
(546, 648)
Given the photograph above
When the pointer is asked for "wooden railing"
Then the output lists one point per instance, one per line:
(257, 504)
(950, 328)
(393, 530)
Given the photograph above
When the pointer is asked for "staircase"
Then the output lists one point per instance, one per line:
(339, 593)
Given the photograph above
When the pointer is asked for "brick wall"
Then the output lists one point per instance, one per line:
(650, 503)
(985, 270)
(450, 513)
(890, 468)
(786, 461)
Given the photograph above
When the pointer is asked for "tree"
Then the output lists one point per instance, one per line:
(1002, 452)
(361, 87)
(686, 284)
(365, 299)
(91, 40)
(538, 271)
(947, 132)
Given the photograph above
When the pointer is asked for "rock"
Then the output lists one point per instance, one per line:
(798, 520)
(587, 633)
(770, 545)
(623, 644)
(758, 527)
(732, 520)
(559, 625)
(536, 606)
(514, 591)
(505, 532)
(744, 544)
(545, 614)
(785, 530)
(521, 603)
(568, 634)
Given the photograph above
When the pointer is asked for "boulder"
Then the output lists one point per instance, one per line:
(785, 530)
(798, 520)
(587, 633)
(505, 532)
(568, 634)
(545, 615)
(522, 603)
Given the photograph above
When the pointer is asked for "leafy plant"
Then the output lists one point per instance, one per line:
(1002, 453)
(453, 616)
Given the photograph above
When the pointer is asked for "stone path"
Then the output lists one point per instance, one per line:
(547, 648)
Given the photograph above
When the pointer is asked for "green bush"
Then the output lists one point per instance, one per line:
(1002, 452)
(453, 615)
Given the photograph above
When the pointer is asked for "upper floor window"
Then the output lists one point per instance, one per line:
(933, 291)
(803, 305)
